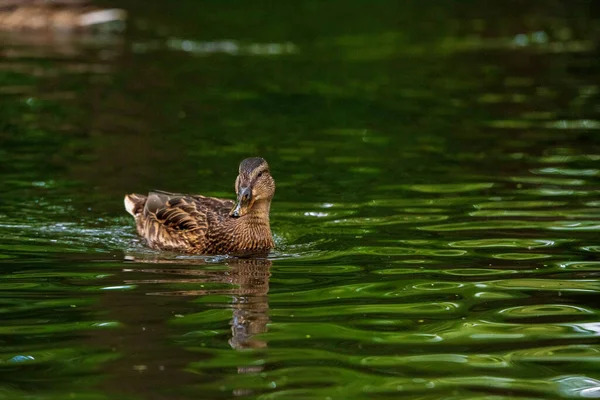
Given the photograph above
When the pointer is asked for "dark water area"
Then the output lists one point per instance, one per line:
(436, 219)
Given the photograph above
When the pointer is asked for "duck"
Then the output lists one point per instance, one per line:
(203, 225)
(56, 15)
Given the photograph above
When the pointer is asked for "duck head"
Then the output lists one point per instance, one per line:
(254, 187)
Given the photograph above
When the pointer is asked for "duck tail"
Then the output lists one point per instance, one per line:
(134, 203)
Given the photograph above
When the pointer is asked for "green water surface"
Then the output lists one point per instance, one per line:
(437, 213)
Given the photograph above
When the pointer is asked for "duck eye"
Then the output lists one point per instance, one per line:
(259, 174)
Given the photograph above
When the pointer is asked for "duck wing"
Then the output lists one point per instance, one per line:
(176, 221)
(219, 207)
(172, 221)
(175, 211)
(158, 200)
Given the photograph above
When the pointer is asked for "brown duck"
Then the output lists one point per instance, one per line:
(207, 225)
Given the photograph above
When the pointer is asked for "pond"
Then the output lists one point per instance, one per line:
(436, 218)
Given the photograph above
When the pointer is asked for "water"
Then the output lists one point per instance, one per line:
(436, 214)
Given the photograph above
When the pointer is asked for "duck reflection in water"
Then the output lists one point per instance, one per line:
(158, 346)
(250, 280)
(251, 303)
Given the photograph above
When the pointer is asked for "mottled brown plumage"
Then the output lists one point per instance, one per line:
(207, 225)
(55, 15)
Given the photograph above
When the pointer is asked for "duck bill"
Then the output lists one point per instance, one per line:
(238, 210)
(242, 204)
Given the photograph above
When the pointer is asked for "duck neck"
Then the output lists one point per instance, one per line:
(259, 213)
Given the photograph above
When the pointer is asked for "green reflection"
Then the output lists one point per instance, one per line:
(521, 256)
(543, 310)
(435, 218)
(450, 188)
(505, 242)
